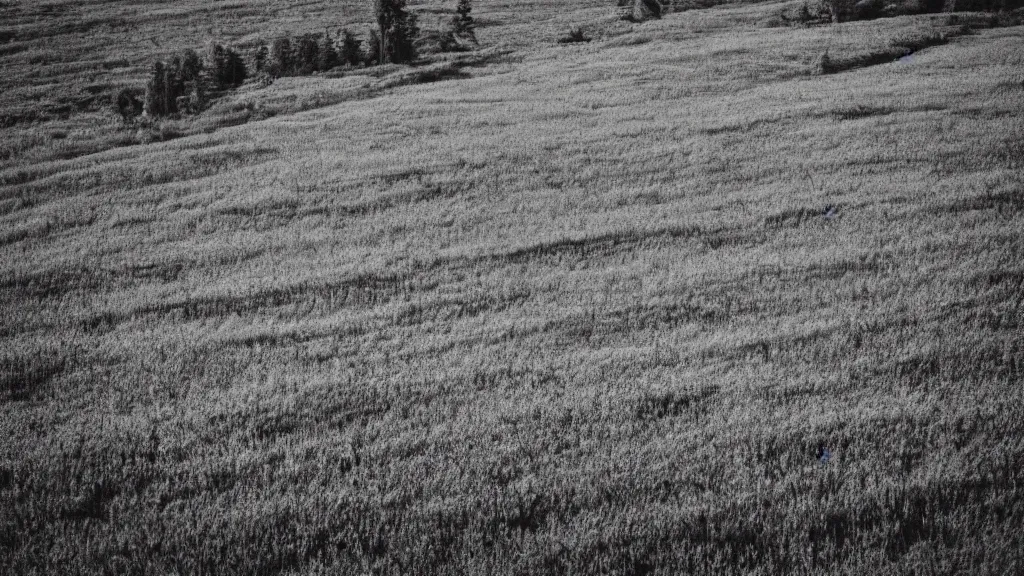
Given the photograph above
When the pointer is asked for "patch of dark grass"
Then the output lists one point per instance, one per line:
(669, 403)
(23, 376)
(791, 218)
(858, 111)
(575, 36)
(92, 502)
(898, 48)
(1009, 201)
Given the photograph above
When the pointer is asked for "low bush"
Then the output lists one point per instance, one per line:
(575, 35)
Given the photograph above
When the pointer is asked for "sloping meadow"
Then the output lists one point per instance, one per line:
(598, 313)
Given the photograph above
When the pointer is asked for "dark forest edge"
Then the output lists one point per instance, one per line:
(188, 83)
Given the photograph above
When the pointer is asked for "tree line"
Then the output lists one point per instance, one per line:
(186, 82)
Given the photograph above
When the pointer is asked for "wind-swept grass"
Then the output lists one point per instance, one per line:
(582, 311)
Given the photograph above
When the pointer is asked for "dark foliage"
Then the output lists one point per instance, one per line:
(574, 36)
(281, 57)
(351, 49)
(640, 10)
(397, 29)
(328, 54)
(371, 56)
(128, 105)
(463, 25)
(182, 85)
(307, 57)
(261, 59)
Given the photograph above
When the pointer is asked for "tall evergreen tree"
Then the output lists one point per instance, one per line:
(351, 51)
(328, 53)
(371, 57)
(463, 24)
(281, 57)
(397, 28)
(217, 59)
(234, 72)
(260, 59)
(170, 84)
(155, 91)
(175, 84)
(307, 54)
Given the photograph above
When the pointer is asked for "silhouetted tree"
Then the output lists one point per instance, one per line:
(463, 24)
(156, 91)
(397, 28)
(128, 105)
(260, 59)
(328, 53)
(351, 50)
(307, 54)
(281, 57)
(371, 56)
(227, 68)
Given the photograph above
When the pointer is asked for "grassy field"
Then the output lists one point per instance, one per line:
(574, 310)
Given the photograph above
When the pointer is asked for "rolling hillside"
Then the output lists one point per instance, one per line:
(590, 309)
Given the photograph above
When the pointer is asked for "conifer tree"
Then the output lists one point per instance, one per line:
(328, 53)
(281, 57)
(351, 50)
(372, 55)
(307, 54)
(260, 59)
(127, 105)
(397, 30)
(155, 91)
(462, 23)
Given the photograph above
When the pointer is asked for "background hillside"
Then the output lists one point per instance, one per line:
(573, 309)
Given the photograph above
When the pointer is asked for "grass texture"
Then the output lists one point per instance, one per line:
(573, 310)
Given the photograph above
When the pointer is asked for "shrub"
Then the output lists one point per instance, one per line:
(640, 10)
(128, 105)
(575, 35)
(824, 65)
(838, 10)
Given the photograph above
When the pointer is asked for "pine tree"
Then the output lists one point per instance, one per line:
(128, 105)
(169, 84)
(281, 57)
(191, 66)
(328, 53)
(175, 84)
(462, 23)
(398, 29)
(308, 55)
(351, 51)
(216, 59)
(234, 72)
(259, 59)
(155, 91)
(372, 55)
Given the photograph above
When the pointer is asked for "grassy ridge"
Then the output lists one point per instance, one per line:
(581, 313)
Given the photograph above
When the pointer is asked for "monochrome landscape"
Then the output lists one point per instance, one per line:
(532, 287)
